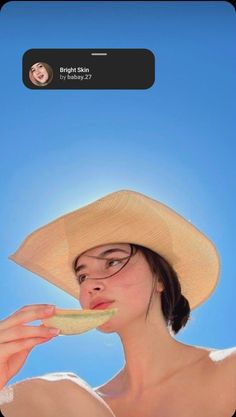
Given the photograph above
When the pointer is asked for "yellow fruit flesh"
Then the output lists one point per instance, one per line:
(78, 321)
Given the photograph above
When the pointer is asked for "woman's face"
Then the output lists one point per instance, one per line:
(128, 289)
(39, 73)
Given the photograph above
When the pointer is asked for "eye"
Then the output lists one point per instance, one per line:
(81, 278)
(111, 262)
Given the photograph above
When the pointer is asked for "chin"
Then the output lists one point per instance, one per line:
(107, 328)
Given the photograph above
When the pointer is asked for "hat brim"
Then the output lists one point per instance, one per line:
(122, 217)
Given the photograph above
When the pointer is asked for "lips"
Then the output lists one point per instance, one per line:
(100, 304)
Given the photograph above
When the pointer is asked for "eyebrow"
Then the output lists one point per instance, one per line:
(106, 252)
(35, 65)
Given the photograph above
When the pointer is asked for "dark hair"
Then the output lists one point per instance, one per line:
(175, 306)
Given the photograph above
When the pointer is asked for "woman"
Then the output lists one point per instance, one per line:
(133, 253)
(40, 74)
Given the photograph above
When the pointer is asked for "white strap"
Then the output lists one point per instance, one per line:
(6, 395)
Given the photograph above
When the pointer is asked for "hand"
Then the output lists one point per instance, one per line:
(17, 339)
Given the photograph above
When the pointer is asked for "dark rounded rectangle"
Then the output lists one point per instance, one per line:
(84, 69)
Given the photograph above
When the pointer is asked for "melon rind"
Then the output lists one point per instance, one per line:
(78, 321)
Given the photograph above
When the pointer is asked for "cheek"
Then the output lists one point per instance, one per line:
(83, 299)
(45, 72)
(136, 276)
(135, 288)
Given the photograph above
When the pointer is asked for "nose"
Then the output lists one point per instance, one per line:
(94, 285)
(90, 289)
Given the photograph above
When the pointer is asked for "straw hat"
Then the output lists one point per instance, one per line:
(122, 217)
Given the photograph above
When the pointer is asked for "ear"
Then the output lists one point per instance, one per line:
(159, 286)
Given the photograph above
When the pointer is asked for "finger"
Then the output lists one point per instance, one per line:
(8, 349)
(24, 332)
(27, 314)
(29, 306)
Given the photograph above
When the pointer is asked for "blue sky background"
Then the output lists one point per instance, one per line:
(174, 142)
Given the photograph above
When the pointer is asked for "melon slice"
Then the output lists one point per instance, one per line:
(78, 321)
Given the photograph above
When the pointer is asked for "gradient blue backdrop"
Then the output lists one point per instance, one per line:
(174, 142)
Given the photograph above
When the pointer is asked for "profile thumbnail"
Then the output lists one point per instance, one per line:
(41, 74)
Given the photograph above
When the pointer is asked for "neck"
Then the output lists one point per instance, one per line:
(151, 355)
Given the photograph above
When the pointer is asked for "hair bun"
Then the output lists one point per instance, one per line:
(180, 314)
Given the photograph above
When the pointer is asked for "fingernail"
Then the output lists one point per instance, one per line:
(54, 331)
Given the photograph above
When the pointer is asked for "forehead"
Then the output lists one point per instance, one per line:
(98, 250)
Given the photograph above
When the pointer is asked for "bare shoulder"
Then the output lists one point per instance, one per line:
(224, 373)
(225, 360)
(25, 399)
(221, 361)
(55, 394)
(78, 393)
